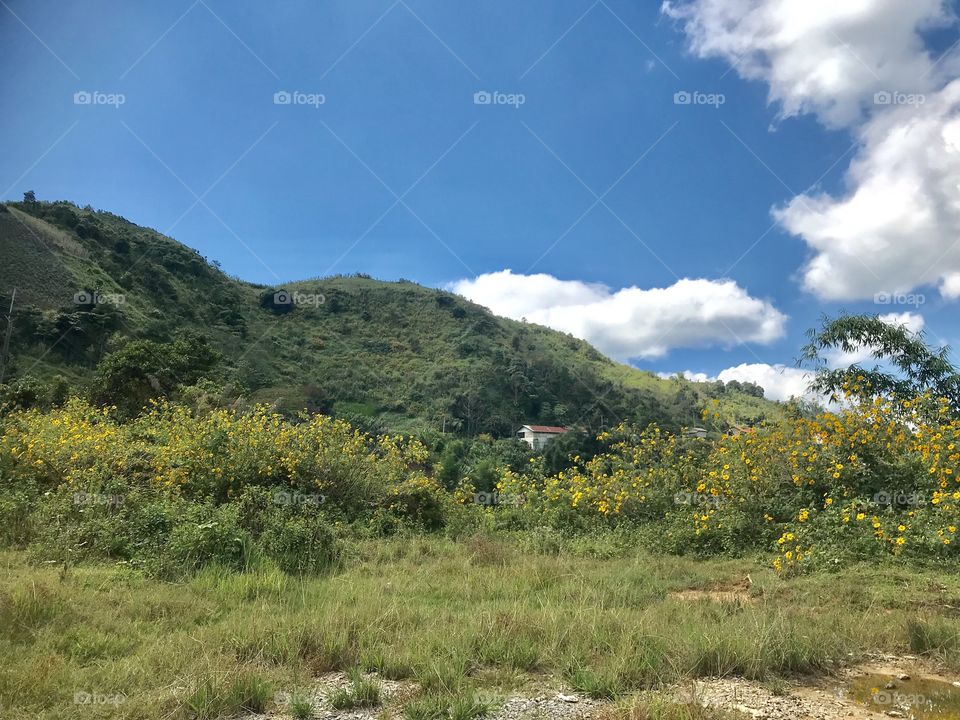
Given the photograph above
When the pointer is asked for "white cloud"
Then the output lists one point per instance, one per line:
(950, 287)
(826, 57)
(779, 382)
(897, 226)
(631, 322)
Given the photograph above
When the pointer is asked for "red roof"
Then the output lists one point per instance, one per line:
(547, 428)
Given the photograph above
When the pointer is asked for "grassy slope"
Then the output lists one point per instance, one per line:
(412, 355)
(455, 617)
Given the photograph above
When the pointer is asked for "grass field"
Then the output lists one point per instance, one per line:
(479, 616)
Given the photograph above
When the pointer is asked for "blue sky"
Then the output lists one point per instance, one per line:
(400, 173)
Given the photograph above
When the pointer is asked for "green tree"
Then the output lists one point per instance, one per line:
(907, 366)
(145, 369)
(559, 451)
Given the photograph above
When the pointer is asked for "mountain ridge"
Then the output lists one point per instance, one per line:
(409, 356)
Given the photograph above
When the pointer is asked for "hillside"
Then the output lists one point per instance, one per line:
(405, 356)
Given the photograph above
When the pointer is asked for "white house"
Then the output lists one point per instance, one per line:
(536, 436)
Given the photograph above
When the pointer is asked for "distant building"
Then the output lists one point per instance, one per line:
(536, 436)
(695, 432)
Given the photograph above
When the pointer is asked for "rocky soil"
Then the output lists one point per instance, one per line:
(812, 699)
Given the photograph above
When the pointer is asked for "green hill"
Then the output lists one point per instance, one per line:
(408, 356)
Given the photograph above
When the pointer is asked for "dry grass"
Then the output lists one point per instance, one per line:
(428, 611)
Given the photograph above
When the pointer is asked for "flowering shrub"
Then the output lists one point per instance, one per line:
(874, 479)
(877, 478)
(213, 456)
(162, 485)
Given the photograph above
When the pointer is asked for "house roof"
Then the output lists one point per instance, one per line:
(547, 428)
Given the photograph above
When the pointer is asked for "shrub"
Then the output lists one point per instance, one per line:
(421, 502)
(16, 518)
(876, 479)
(209, 535)
(300, 544)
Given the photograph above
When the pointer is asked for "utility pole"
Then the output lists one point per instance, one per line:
(6, 338)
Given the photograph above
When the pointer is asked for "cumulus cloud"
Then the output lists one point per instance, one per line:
(779, 382)
(898, 228)
(827, 57)
(631, 322)
(860, 64)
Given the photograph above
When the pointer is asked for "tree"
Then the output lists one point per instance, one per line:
(910, 366)
(277, 300)
(576, 443)
(30, 197)
(144, 369)
(519, 382)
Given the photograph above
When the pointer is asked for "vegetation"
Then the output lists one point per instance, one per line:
(174, 489)
(361, 692)
(911, 366)
(174, 548)
(104, 303)
(462, 626)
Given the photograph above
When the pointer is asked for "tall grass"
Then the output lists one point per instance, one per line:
(428, 613)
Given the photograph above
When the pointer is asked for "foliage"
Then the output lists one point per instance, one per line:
(916, 367)
(876, 479)
(143, 370)
(30, 392)
(388, 355)
(174, 491)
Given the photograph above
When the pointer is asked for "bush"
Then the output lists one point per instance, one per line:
(421, 502)
(16, 518)
(299, 544)
(877, 480)
(209, 535)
